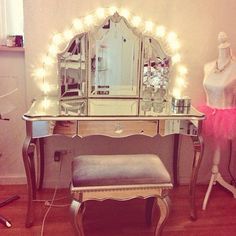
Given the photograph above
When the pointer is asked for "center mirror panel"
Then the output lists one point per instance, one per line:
(115, 52)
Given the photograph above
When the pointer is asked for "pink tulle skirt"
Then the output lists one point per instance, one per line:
(219, 123)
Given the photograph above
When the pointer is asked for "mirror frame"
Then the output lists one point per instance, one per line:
(115, 18)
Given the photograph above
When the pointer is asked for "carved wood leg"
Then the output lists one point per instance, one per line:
(198, 153)
(39, 152)
(41, 163)
(27, 165)
(31, 155)
(163, 204)
(149, 210)
(76, 215)
(176, 160)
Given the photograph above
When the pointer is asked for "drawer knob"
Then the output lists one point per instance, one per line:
(118, 129)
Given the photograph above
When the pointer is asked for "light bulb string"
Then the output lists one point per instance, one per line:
(107, 14)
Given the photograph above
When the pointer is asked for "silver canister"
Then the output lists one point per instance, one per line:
(181, 105)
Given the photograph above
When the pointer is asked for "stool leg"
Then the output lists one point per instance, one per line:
(76, 215)
(149, 210)
(163, 204)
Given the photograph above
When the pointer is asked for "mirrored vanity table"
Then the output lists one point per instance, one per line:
(113, 81)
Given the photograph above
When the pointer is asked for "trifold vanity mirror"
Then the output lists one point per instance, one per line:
(114, 60)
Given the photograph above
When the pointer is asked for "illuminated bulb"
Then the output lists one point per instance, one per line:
(78, 25)
(88, 20)
(100, 12)
(176, 93)
(46, 103)
(45, 88)
(136, 20)
(53, 50)
(149, 26)
(112, 10)
(47, 60)
(172, 36)
(125, 13)
(160, 31)
(182, 70)
(57, 39)
(176, 58)
(40, 73)
(175, 44)
(68, 34)
(181, 82)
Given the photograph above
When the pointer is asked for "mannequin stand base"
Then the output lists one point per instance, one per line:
(216, 177)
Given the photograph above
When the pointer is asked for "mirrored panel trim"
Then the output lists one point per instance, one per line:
(72, 68)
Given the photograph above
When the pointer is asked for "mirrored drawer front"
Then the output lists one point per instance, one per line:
(65, 128)
(117, 128)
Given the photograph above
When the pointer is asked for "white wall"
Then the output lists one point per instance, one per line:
(12, 133)
(196, 22)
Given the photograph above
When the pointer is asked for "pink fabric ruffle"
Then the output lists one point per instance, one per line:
(219, 123)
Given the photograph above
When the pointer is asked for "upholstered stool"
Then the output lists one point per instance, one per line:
(119, 177)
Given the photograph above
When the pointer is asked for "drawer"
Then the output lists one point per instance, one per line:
(66, 128)
(117, 128)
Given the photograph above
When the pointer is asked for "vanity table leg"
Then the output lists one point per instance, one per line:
(176, 160)
(40, 163)
(198, 153)
(30, 185)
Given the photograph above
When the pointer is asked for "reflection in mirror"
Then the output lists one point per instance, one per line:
(156, 65)
(72, 68)
(115, 57)
(73, 108)
(113, 107)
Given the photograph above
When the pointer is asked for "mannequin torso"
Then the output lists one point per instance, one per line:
(220, 87)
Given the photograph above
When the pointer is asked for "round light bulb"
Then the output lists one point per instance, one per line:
(39, 73)
(160, 31)
(181, 82)
(176, 58)
(175, 44)
(45, 88)
(176, 93)
(45, 103)
(136, 21)
(57, 39)
(100, 13)
(89, 20)
(172, 36)
(78, 24)
(149, 26)
(182, 70)
(125, 13)
(47, 60)
(68, 34)
(53, 50)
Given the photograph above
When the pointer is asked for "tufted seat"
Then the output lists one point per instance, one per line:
(119, 177)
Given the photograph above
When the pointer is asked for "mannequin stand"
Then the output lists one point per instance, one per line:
(216, 177)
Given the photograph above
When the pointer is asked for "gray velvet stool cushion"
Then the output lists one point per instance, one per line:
(105, 170)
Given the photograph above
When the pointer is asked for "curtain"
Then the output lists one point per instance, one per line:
(11, 19)
(3, 22)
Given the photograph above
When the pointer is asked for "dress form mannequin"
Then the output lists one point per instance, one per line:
(220, 87)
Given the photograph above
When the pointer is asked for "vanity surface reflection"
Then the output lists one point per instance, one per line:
(51, 108)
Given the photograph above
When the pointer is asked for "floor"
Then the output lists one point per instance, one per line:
(112, 218)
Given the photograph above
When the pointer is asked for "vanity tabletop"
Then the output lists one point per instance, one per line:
(52, 108)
